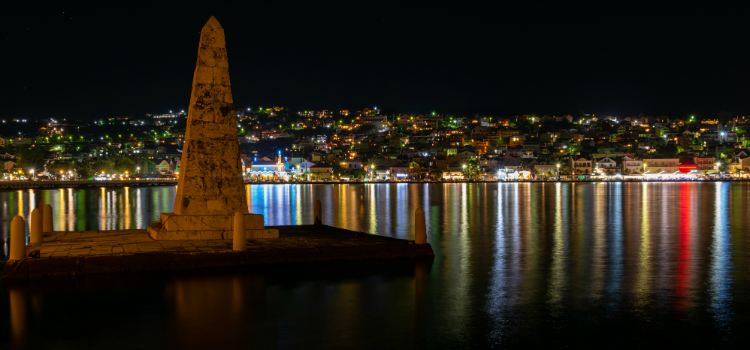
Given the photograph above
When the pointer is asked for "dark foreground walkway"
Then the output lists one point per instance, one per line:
(91, 252)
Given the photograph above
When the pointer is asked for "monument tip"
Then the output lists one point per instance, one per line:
(212, 34)
(213, 22)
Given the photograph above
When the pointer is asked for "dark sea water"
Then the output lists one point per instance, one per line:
(518, 265)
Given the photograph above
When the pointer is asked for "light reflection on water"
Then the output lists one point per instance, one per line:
(516, 265)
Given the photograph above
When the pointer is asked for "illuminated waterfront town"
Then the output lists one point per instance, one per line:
(368, 145)
(374, 176)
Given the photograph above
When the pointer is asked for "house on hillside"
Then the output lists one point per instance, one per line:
(607, 165)
(668, 164)
(508, 162)
(399, 171)
(631, 165)
(163, 165)
(581, 166)
(321, 171)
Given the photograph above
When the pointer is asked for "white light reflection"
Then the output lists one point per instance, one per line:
(498, 293)
(720, 280)
(558, 273)
(372, 213)
(139, 220)
(615, 225)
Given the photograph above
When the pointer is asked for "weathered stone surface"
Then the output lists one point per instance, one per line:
(210, 189)
(210, 180)
(16, 269)
(182, 222)
(254, 222)
(209, 223)
(185, 227)
(134, 250)
(266, 233)
(54, 266)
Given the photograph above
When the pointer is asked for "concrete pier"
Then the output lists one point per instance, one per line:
(93, 252)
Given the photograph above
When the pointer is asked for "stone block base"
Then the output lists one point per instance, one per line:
(186, 227)
(161, 234)
(174, 222)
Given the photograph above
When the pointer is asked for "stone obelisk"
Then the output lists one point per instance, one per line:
(210, 172)
(210, 190)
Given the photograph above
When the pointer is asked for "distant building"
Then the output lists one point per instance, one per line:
(631, 165)
(656, 165)
(607, 165)
(703, 163)
(321, 171)
(581, 166)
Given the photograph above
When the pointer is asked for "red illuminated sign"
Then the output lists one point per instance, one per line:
(686, 168)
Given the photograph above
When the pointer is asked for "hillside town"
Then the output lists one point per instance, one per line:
(370, 145)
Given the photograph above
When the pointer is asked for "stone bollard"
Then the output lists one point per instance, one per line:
(17, 238)
(318, 218)
(420, 235)
(47, 225)
(35, 226)
(239, 242)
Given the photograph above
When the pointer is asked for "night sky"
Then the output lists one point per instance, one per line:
(104, 59)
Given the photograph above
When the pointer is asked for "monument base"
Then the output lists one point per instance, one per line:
(188, 227)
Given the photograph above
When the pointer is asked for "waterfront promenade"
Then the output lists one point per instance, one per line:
(17, 185)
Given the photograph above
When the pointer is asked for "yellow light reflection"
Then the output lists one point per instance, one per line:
(599, 237)
(60, 224)
(102, 211)
(642, 281)
(71, 216)
(127, 208)
(20, 203)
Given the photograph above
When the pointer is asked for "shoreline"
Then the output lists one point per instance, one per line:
(42, 184)
(475, 181)
(21, 185)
